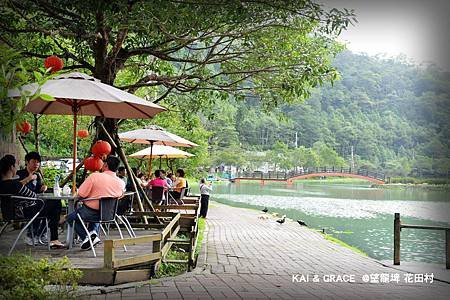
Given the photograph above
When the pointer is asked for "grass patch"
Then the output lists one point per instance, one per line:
(344, 244)
(174, 269)
(201, 230)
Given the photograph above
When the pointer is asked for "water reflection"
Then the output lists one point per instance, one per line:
(359, 215)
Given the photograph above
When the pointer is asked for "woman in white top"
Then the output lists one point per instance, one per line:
(205, 190)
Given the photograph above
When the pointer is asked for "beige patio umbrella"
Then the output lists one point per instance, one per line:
(160, 151)
(154, 135)
(80, 94)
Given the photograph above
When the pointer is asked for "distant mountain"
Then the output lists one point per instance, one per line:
(394, 115)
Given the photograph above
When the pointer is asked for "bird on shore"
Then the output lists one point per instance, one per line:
(265, 210)
(282, 220)
(302, 223)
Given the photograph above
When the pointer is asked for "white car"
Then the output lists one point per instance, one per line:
(69, 163)
(55, 164)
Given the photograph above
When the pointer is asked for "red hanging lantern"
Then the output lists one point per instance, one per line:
(101, 148)
(83, 133)
(53, 62)
(93, 164)
(24, 127)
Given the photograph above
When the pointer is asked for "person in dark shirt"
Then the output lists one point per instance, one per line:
(9, 185)
(122, 174)
(34, 183)
(31, 177)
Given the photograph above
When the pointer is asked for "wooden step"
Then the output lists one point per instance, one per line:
(179, 241)
(175, 261)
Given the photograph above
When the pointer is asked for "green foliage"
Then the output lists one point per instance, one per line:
(393, 114)
(50, 174)
(172, 269)
(13, 75)
(56, 136)
(185, 55)
(412, 180)
(280, 156)
(22, 277)
(201, 233)
(188, 53)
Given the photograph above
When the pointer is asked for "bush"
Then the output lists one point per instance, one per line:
(420, 180)
(172, 269)
(50, 174)
(22, 277)
(404, 180)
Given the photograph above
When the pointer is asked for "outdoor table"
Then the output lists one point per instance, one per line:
(70, 208)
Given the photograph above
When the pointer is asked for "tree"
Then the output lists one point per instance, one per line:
(182, 51)
(280, 156)
(13, 74)
(327, 156)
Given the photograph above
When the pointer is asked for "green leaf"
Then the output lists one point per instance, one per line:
(46, 97)
(37, 75)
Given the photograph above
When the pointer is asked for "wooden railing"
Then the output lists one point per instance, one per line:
(189, 220)
(397, 230)
(161, 246)
(183, 218)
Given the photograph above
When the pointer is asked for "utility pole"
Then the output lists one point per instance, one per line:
(296, 139)
(352, 159)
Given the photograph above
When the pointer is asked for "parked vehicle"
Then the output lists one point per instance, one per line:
(69, 163)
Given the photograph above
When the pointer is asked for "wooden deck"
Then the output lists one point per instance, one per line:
(92, 267)
(113, 265)
(79, 258)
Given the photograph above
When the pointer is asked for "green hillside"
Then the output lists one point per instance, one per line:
(394, 114)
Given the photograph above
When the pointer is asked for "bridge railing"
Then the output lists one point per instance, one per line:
(306, 171)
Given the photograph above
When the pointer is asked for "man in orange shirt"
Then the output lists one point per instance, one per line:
(97, 185)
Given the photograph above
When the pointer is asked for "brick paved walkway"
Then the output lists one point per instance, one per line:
(247, 257)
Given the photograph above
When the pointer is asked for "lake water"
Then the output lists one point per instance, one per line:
(355, 213)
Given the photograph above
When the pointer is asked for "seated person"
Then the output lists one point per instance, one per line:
(97, 185)
(122, 174)
(141, 179)
(166, 178)
(9, 185)
(52, 209)
(158, 182)
(138, 175)
(179, 184)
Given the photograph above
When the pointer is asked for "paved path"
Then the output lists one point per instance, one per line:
(246, 256)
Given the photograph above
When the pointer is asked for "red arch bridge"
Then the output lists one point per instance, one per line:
(290, 176)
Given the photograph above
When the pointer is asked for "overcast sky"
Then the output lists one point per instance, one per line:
(420, 29)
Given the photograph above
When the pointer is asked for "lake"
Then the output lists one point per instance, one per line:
(359, 215)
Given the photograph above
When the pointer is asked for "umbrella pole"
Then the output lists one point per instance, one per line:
(160, 161)
(150, 161)
(74, 169)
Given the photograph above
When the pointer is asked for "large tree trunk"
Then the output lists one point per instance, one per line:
(8, 143)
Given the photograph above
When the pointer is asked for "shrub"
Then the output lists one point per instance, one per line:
(22, 277)
(420, 180)
(50, 174)
(404, 180)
